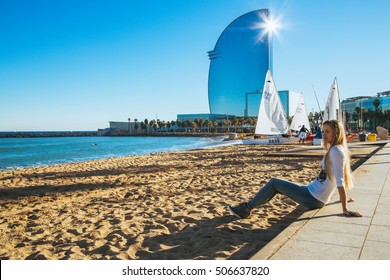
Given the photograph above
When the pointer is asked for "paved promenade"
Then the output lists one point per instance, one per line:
(327, 234)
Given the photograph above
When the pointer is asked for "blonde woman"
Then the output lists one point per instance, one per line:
(336, 173)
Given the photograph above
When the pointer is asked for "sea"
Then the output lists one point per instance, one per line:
(18, 153)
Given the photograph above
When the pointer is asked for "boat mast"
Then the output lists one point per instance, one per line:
(319, 107)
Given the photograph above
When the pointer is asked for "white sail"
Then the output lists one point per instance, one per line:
(300, 117)
(271, 119)
(332, 108)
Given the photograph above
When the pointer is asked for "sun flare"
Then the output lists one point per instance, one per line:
(268, 25)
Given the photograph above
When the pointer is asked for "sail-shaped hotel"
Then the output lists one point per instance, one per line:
(238, 65)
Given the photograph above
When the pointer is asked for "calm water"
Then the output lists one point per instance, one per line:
(18, 153)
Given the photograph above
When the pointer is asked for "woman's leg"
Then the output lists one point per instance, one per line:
(294, 191)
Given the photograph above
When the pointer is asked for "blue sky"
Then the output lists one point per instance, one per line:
(75, 65)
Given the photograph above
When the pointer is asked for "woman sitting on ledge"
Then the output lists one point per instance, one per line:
(336, 172)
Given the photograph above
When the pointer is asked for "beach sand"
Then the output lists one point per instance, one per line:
(158, 206)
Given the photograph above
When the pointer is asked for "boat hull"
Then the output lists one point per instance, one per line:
(269, 141)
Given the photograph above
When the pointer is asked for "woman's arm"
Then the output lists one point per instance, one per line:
(343, 200)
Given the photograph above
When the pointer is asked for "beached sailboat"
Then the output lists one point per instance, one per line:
(271, 121)
(332, 108)
(300, 117)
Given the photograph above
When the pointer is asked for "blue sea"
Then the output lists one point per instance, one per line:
(16, 153)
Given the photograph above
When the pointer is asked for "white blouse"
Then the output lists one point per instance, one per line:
(323, 189)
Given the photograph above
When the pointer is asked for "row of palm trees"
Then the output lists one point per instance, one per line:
(196, 125)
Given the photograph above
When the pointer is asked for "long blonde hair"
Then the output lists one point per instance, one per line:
(340, 140)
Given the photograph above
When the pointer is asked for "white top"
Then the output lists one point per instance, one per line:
(323, 189)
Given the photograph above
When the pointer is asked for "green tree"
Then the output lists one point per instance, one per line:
(208, 124)
(194, 125)
(146, 123)
(236, 122)
(358, 111)
(186, 124)
(252, 122)
(215, 124)
(376, 104)
(168, 125)
(201, 123)
(178, 123)
(136, 125)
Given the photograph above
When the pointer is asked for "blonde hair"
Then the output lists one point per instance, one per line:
(339, 139)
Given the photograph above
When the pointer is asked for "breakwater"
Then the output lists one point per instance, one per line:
(33, 134)
(37, 134)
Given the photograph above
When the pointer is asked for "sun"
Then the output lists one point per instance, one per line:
(268, 25)
(272, 25)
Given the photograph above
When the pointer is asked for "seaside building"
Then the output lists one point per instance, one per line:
(238, 65)
(211, 117)
(367, 112)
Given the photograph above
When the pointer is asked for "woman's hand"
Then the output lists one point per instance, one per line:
(352, 213)
(350, 200)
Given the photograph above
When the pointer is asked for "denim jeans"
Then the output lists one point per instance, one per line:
(294, 191)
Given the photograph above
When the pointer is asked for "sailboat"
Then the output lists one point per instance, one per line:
(332, 108)
(271, 121)
(300, 117)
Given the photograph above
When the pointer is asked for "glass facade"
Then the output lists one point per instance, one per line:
(210, 117)
(360, 112)
(238, 65)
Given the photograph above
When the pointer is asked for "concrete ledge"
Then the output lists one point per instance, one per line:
(272, 247)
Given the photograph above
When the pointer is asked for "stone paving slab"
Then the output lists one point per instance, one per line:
(327, 234)
(357, 150)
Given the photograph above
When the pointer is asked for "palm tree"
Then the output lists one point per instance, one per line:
(186, 124)
(201, 123)
(208, 123)
(236, 122)
(144, 127)
(242, 122)
(168, 125)
(196, 121)
(225, 124)
(215, 124)
(146, 122)
(194, 126)
(358, 112)
(364, 117)
(136, 125)
(376, 104)
(154, 124)
(252, 122)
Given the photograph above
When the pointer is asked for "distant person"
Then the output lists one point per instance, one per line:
(303, 134)
(335, 173)
(318, 133)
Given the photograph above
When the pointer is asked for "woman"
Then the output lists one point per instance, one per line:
(336, 172)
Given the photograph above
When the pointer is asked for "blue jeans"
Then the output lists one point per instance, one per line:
(294, 191)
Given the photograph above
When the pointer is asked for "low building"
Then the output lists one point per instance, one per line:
(367, 112)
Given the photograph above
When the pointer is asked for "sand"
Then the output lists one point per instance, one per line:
(158, 206)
